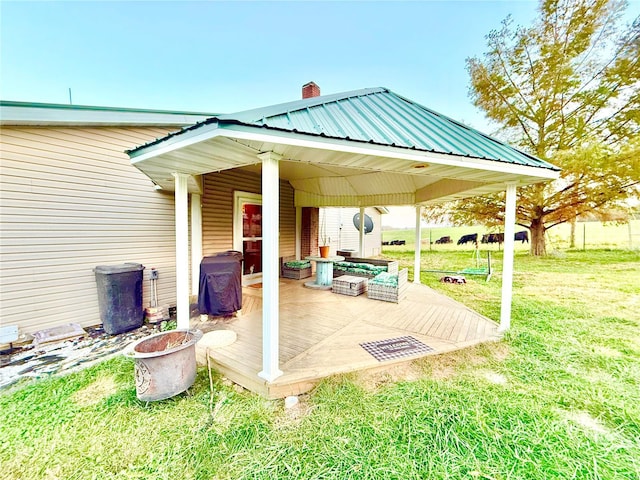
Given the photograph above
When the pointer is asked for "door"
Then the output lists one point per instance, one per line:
(247, 237)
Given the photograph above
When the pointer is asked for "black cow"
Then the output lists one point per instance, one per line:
(492, 238)
(523, 236)
(472, 237)
(444, 240)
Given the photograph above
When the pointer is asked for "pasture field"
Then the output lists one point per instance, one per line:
(588, 235)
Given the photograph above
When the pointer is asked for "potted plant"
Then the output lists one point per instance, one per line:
(324, 240)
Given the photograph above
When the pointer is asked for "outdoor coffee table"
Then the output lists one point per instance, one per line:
(324, 271)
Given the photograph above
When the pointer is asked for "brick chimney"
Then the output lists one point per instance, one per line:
(310, 90)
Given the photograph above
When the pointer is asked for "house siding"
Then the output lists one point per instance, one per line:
(217, 210)
(343, 235)
(71, 200)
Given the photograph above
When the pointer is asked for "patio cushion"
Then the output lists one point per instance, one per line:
(386, 279)
(298, 264)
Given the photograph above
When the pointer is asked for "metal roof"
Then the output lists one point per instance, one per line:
(376, 116)
(38, 114)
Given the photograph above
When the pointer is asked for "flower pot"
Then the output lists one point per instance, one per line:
(324, 251)
(165, 363)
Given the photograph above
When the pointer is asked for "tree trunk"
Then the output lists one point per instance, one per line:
(538, 245)
(572, 239)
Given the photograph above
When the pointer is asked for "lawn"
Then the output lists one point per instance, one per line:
(558, 397)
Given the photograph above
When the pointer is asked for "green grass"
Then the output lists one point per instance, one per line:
(558, 398)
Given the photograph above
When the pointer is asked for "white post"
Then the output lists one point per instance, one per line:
(270, 266)
(182, 249)
(418, 247)
(196, 242)
(361, 236)
(507, 262)
(298, 233)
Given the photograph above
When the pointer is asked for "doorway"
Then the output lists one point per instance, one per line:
(247, 234)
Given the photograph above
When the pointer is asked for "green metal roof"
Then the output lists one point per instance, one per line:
(64, 106)
(377, 116)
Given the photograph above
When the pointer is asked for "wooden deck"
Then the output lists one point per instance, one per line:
(321, 332)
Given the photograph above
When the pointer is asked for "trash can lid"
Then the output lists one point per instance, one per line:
(122, 268)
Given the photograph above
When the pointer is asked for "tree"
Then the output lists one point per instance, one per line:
(567, 90)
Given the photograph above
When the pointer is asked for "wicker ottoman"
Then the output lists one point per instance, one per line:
(349, 285)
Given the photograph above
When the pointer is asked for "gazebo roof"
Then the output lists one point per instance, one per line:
(364, 147)
(376, 116)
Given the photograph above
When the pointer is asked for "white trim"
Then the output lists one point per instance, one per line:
(214, 130)
(418, 246)
(191, 137)
(507, 261)
(52, 114)
(182, 249)
(196, 242)
(270, 267)
(239, 197)
(339, 145)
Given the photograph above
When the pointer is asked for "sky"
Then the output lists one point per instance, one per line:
(225, 57)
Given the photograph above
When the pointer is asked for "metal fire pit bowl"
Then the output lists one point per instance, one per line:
(165, 363)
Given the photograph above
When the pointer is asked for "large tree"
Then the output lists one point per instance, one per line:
(566, 89)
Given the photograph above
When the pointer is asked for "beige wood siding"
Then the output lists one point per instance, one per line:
(217, 210)
(71, 200)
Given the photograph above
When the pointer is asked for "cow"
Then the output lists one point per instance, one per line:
(444, 240)
(523, 236)
(492, 238)
(472, 237)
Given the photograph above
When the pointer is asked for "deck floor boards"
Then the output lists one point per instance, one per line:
(321, 333)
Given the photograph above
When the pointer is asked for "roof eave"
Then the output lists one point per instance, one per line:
(44, 114)
(250, 132)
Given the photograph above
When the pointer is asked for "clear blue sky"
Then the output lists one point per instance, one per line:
(223, 57)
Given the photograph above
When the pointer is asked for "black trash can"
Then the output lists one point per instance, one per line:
(120, 296)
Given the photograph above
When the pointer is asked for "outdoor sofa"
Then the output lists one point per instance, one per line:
(364, 267)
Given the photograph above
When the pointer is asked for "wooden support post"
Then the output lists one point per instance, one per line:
(270, 266)
(298, 233)
(182, 249)
(361, 234)
(507, 263)
(418, 246)
(196, 242)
